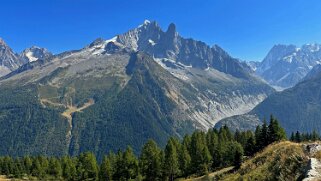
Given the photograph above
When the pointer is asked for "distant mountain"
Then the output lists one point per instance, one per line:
(123, 91)
(35, 53)
(286, 65)
(253, 65)
(297, 108)
(11, 62)
(8, 59)
(314, 73)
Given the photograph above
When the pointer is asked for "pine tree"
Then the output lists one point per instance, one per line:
(27, 164)
(55, 168)
(184, 161)
(198, 145)
(238, 158)
(298, 137)
(130, 164)
(105, 171)
(37, 169)
(206, 156)
(315, 136)
(275, 131)
(150, 161)
(88, 166)
(250, 147)
(292, 137)
(69, 171)
(171, 160)
(257, 134)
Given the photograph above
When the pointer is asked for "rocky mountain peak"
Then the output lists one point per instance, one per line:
(96, 42)
(8, 59)
(314, 47)
(286, 65)
(35, 53)
(171, 29)
(2, 41)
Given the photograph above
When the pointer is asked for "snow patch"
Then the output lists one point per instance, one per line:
(30, 56)
(100, 48)
(151, 42)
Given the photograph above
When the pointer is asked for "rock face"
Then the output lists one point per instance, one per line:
(8, 59)
(314, 170)
(150, 38)
(35, 53)
(297, 108)
(314, 73)
(286, 65)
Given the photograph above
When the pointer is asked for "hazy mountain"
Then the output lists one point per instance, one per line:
(314, 73)
(286, 65)
(297, 108)
(112, 93)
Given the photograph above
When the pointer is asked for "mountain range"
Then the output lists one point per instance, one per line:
(286, 65)
(148, 83)
(145, 83)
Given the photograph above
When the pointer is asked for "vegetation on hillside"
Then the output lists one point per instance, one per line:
(197, 154)
(280, 161)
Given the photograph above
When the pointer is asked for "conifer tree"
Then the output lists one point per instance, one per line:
(130, 164)
(27, 164)
(105, 171)
(184, 161)
(292, 137)
(275, 131)
(298, 137)
(89, 166)
(250, 147)
(69, 170)
(238, 158)
(171, 160)
(150, 161)
(54, 168)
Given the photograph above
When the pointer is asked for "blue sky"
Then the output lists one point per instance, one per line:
(247, 29)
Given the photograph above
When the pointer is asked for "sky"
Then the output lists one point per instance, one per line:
(246, 29)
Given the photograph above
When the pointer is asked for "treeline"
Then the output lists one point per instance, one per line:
(198, 154)
(301, 137)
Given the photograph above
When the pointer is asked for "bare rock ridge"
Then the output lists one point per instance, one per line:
(313, 172)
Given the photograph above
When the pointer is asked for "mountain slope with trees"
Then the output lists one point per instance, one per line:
(197, 154)
(110, 94)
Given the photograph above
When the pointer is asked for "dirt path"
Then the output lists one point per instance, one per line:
(43, 101)
(314, 170)
(210, 176)
(314, 166)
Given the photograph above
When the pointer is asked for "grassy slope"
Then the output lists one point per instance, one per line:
(280, 161)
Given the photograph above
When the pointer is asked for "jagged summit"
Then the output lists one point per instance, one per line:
(2, 41)
(168, 44)
(35, 53)
(171, 28)
(8, 59)
(286, 65)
